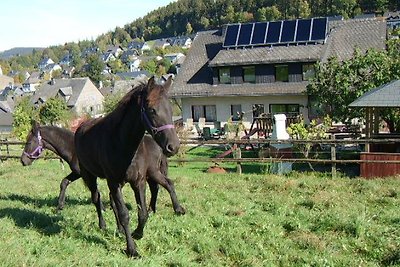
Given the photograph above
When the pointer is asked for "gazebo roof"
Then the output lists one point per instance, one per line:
(387, 95)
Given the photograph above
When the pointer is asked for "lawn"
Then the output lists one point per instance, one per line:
(253, 219)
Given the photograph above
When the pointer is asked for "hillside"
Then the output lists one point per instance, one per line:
(187, 16)
(18, 51)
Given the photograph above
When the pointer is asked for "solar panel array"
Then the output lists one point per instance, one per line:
(276, 32)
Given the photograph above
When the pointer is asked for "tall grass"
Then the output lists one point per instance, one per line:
(301, 219)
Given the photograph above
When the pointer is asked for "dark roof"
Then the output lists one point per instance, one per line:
(387, 95)
(344, 37)
(195, 76)
(6, 118)
(132, 75)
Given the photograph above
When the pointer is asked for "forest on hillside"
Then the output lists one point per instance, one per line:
(187, 16)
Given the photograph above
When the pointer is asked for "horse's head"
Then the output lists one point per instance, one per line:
(157, 116)
(34, 145)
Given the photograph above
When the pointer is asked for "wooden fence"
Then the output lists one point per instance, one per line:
(8, 149)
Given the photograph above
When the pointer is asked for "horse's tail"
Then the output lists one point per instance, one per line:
(164, 165)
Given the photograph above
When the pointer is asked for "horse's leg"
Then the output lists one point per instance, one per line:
(91, 183)
(123, 217)
(154, 193)
(161, 179)
(140, 189)
(63, 187)
(114, 209)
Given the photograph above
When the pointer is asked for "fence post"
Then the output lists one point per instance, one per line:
(7, 148)
(237, 155)
(333, 157)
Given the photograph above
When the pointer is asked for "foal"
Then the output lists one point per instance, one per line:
(105, 148)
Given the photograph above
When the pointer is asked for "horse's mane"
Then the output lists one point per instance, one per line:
(117, 114)
(61, 131)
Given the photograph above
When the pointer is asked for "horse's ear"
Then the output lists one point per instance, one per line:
(35, 125)
(168, 83)
(151, 83)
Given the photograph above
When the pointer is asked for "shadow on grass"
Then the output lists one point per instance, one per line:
(24, 218)
(44, 202)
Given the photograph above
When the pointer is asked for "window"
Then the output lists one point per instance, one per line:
(209, 112)
(258, 109)
(284, 108)
(249, 74)
(236, 112)
(224, 75)
(281, 73)
(308, 71)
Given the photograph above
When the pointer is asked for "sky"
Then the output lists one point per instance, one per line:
(42, 23)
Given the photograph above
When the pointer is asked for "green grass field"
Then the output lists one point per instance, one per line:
(301, 219)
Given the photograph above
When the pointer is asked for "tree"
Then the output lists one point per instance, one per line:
(117, 66)
(272, 13)
(189, 28)
(24, 112)
(95, 67)
(313, 131)
(150, 66)
(337, 84)
(111, 101)
(53, 111)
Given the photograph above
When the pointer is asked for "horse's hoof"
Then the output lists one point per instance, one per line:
(180, 211)
(133, 254)
(137, 235)
(59, 208)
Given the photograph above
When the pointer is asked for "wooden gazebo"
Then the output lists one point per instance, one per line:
(385, 96)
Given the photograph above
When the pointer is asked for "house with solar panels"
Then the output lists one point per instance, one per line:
(263, 68)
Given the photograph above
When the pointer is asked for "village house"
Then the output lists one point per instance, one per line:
(66, 60)
(181, 41)
(80, 95)
(5, 81)
(44, 63)
(259, 69)
(174, 57)
(116, 50)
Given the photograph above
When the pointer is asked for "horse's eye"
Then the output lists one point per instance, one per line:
(152, 111)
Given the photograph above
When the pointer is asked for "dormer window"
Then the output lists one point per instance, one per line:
(225, 75)
(65, 93)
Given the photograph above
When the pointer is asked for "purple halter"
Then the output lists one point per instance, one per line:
(146, 119)
(38, 150)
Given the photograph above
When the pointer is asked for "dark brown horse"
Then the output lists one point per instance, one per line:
(105, 148)
(150, 161)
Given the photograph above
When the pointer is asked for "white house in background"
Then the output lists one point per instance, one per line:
(66, 60)
(147, 46)
(134, 64)
(44, 63)
(116, 50)
(224, 75)
(181, 41)
(50, 68)
(30, 84)
(107, 57)
(80, 95)
(174, 57)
